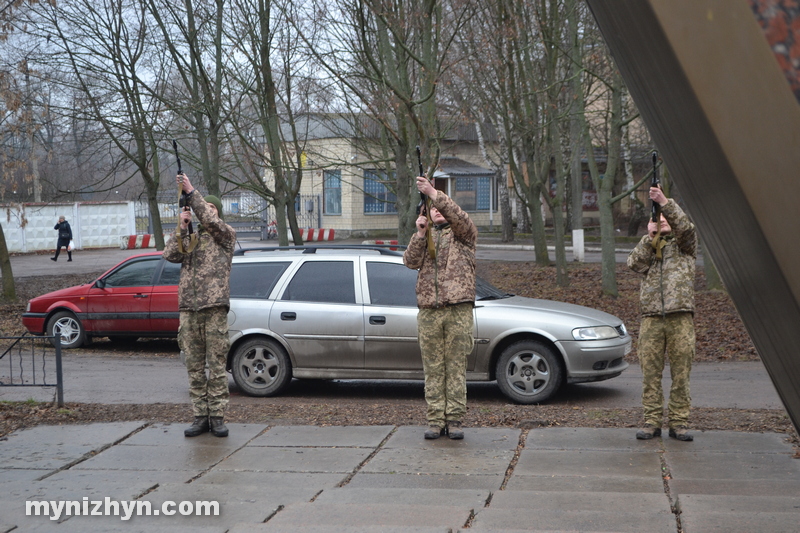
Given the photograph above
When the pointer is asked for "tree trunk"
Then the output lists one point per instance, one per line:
(9, 289)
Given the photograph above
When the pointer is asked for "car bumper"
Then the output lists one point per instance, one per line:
(596, 360)
(34, 322)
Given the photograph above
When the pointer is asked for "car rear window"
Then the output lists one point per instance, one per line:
(255, 280)
(391, 284)
(323, 281)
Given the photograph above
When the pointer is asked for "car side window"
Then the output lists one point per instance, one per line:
(323, 281)
(391, 284)
(133, 274)
(255, 280)
(171, 274)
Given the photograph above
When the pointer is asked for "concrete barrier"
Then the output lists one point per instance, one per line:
(131, 242)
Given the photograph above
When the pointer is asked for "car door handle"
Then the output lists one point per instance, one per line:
(140, 295)
(288, 316)
(377, 320)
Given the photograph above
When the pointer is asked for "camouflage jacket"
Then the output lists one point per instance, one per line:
(206, 271)
(450, 279)
(668, 284)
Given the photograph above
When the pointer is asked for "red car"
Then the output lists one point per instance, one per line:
(136, 298)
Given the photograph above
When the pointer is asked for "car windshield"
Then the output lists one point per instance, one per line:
(486, 291)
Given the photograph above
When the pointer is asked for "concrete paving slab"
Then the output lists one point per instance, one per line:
(416, 496)
(699, 503)
(45, 456)
(541, 520)
(123, 457)
(112, 524)
(266, 495)
(475, 438)
(556, 483)
(735, 487)
(581, 501)
(345, 516)
(588, 439)
(267, 459)
(709, 522)
(261, 528)
(287, 480)
(730, 441)
(329, 436)
(52, 447)
(426, 481)
(172, 435)
(440, 461)
(588, 463)
(739, 466)
(60, 490)
(131, 478)
(19, 476)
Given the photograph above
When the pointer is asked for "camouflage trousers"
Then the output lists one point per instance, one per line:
(445, 340)
(203, 337)
(672, 335)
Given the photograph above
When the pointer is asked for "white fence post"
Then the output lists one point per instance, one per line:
(577, 245)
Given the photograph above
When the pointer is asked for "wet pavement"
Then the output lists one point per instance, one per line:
(387, 478)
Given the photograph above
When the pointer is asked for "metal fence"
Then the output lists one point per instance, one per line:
(32, 362)
(246, 212)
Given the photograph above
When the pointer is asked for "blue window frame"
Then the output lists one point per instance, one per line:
(474, 193)
(332, 192)
(378, 196)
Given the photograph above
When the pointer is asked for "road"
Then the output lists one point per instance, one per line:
(147, 379)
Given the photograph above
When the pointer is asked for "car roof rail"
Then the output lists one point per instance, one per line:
(383, 249)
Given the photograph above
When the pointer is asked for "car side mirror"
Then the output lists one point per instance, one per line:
(100, 284)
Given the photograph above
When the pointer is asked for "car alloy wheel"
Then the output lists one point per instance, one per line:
(67, 325)
(261, 367)
(529, 372)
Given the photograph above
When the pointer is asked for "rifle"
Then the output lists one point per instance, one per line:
(655, 209)
(183, 202)
(658, 242)
(424, 203)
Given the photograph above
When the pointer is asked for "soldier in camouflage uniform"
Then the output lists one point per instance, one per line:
(667, 303)
(204, 300)
(446, 298)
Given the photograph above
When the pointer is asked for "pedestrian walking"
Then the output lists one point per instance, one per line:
(64, 238)
(667, 260)
(446, 298)
(204, 301)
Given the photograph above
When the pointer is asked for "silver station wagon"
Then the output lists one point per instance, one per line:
(334, 312)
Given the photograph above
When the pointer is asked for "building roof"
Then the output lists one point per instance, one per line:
(453, 167)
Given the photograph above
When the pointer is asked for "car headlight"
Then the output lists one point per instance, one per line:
(596, 333)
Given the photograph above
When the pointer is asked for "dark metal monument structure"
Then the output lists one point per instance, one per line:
(714, 82)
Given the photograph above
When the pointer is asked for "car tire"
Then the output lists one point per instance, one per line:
(529, 372)
(261, 367)
(69, 327)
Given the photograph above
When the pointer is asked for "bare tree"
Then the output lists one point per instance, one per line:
(389, 58)
(110, 62)
(272, 89)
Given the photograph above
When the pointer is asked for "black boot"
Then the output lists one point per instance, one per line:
(218, 428)
(70, 257)
(198, 427)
